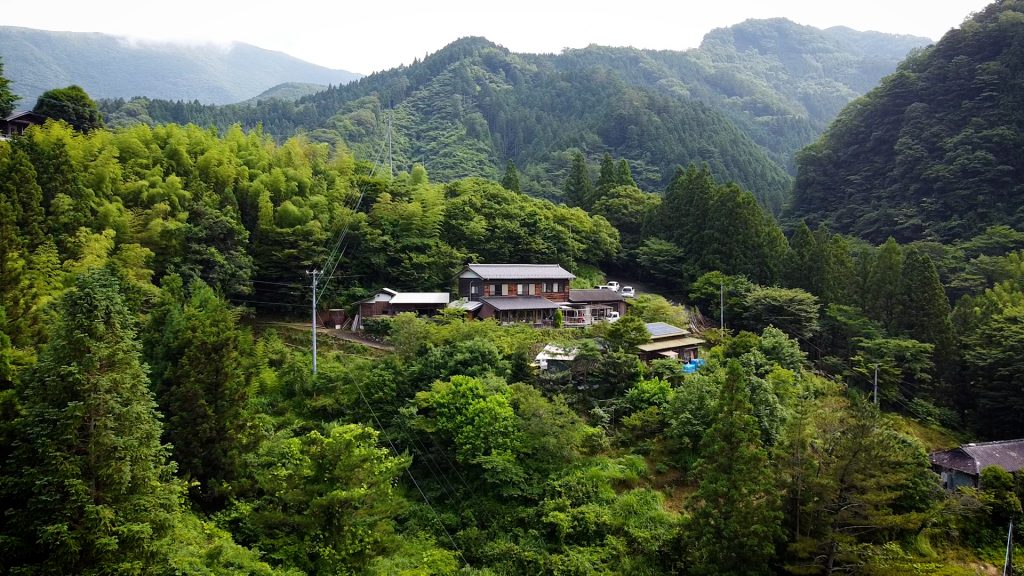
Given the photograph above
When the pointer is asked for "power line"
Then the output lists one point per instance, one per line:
(411, 477)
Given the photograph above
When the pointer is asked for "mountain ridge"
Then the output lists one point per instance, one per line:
(931, 153)
(110, 66)
(472, 106)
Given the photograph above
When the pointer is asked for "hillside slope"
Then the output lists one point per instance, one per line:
(111, 67)
(935, 151)
(740, 103)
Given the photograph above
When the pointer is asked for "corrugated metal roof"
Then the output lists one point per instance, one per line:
(520, 303)
(421, 298)
(552, 352)
(520, 271)
(973, 458)
(669, 344)
(467, 305)
(594, 295)
(664, 329)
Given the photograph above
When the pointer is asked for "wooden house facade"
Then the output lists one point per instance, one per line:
(17, 123)
(515, 293)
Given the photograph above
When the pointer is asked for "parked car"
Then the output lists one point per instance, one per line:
(613, 285)
(628, 292)
(612, 317)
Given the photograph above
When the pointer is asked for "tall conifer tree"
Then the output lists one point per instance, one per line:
(88, 479)
(738, 513)
(578, 189)
(510, 181)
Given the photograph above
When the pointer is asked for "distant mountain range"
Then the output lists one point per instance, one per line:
(111, 67)
(743, 103)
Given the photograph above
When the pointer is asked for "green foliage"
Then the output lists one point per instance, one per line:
(7, 97)
(195, 547)
(197, 352)
(628, 333)
(792, 310)
(71, 105)
(736, 500)
(323, 502)
(578, 189)
(473, 106)
(707, 293)
(655, 308)
(855, 484)
(716, 227)
(926, 154)
(510, 181)
(88, 483)
(992, 357)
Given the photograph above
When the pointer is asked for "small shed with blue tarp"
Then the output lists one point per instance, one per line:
(668, 341)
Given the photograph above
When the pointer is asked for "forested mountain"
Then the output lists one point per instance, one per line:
(287, 91)
(934, 151)
(742, 103)
(160, 413)
(112, 67)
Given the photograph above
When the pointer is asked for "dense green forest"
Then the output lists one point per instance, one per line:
(159, 413)
(742, 103)
(152, 426)
(118, 67)
(933, 152)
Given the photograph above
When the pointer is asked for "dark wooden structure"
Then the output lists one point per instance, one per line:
(962, 466)
(388, 302)
(17, 123)
(512, 293)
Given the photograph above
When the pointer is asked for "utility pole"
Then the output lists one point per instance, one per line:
(1008, 563)
(876, 385)
(316, 274)
(721, 308)
(391, 159)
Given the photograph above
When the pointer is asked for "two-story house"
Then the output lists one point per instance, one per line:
(528, 293)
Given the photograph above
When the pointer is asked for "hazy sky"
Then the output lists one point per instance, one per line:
(367, 36)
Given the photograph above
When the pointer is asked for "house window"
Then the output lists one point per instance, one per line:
(496, 290)
(551, 286)
(533, 289)
(521, 289)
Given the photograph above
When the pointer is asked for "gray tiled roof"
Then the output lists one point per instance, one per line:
(521, 271)
(973, 458)
(594, 295)
(520, 303)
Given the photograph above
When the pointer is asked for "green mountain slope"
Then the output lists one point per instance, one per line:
(111, 67)
(935, 150)
(740, 103)
(286, 91)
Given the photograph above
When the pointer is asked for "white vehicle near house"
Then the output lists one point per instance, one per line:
(612, 316)
(627, 292)
(613, 286)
